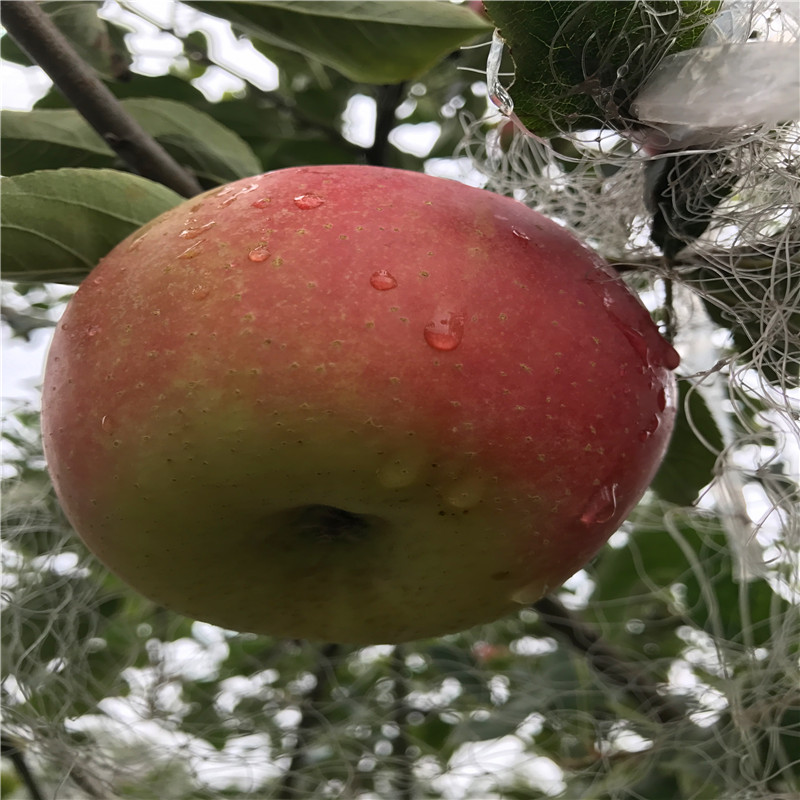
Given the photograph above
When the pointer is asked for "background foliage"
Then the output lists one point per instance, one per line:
(667, 668)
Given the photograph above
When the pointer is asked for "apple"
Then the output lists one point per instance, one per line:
(354, 404)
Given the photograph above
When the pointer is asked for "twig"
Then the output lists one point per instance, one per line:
(405, 770)
(288, 788)
(10, 751)
(35, 33)
(388, 98)
(607, 662)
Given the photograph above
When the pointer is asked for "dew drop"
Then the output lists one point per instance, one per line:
(465, 493)
(445, 330)
(382, 280)
(92, 330)
(636, 326)
(528, 594)
(668, 355)
(398, 473)
(520, 235)
(200, 293)
(107, 424)
(134, 245)
(637, 340)
(259, 254)
(650, 429)
(661, 399)
(229, 195)
(193, 231)
(305, 202)
(192, 251)
(602, 505)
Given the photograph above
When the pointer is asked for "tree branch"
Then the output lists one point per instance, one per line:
(9, 750)
(405, 767)
(35, 33)
(607, 662)
(310, 717)
(388, 98)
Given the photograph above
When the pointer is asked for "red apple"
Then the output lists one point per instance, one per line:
(353, 404)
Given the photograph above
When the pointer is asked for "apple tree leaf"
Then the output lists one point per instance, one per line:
(696, 441)
(98, 42)
(655, 561)
(369, 42)
(53, 138)
(579, 64)
(57, 224)
(684, 190)
(49, 139)
(195, 139)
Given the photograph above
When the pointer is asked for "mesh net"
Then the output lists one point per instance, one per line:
(667, 668)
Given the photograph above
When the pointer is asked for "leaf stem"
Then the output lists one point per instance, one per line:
(35, 33)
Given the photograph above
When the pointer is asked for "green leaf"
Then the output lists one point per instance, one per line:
(57, 224)
(52, 138)
(569, 57)
(654, 561)
(369, 42)
(696, 441)
(685, 189)
(98, 42)
(195, 139)
(49, 139)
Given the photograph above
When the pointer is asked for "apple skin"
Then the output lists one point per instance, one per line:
(353, 404)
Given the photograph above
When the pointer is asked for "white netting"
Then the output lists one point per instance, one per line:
(681, 679)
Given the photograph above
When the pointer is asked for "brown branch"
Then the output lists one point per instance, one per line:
(404, 779)
(11, 751)
(310, 717)
(35, 33)
(607, 662)
(388, 98)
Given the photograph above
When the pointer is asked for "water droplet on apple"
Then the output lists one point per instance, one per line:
(305, 202)
(134, 245)
(259, 254)
(107, 424)
(192, 251)
(193, 231)
(465, 493)
(661, 399)
(445, 330)
(397, 473)
(650, 429)
(92, 330)
(602, 505)
(229, 194)
(262, 203)
(652, 348)
(403, 466)
(528, 594)
(200, 293)
(382, 280)
(520, 234)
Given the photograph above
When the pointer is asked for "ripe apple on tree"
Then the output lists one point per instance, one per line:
(354, 404)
